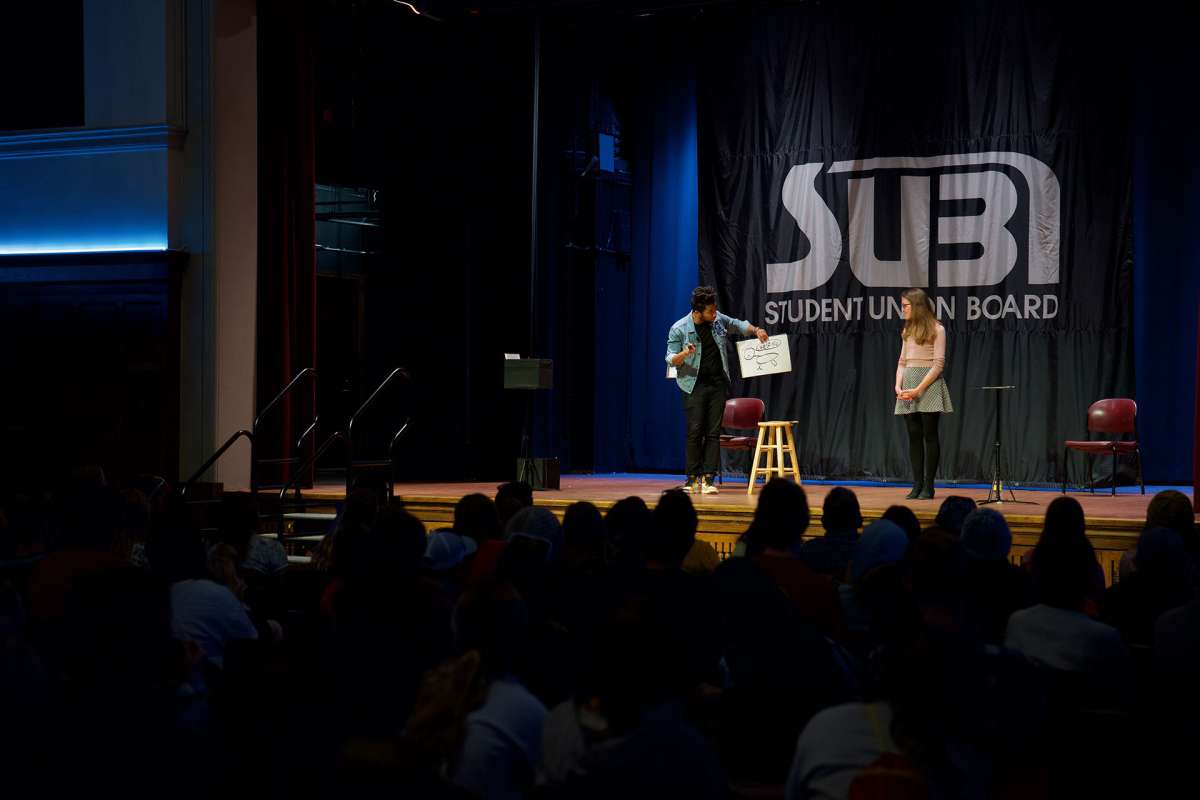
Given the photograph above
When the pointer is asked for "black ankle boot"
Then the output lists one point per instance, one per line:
(926, 492)
(915, 493)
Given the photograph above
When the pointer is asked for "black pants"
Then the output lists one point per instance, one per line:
(703, 410)
(924, 452)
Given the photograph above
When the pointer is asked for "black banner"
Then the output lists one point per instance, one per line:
(979, 151)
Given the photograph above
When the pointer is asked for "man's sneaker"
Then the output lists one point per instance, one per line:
(708, 487)
(691, 487)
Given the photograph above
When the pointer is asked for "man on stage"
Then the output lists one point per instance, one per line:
(696, 349)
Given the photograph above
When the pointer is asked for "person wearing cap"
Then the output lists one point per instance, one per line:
(447, 559)
(995, 587)
(882, 545)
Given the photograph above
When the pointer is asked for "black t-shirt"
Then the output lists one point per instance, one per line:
(711, 370)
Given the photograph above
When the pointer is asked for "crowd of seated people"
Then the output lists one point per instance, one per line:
(511, 655)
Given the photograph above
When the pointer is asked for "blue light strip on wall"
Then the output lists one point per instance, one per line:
(59, 248)
(97, 190)
(62, 248)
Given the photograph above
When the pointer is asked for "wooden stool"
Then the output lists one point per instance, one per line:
(771, 440)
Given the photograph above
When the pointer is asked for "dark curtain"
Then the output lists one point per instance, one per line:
(1167, 241)
(978, 150)
(286, 341)
(639, 423)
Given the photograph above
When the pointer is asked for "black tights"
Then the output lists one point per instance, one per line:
(924, 452)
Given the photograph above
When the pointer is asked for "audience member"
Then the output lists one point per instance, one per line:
(239, 528)
(355, 517)
(85, 542)
(779, 671)
(583, 536)
(203, 612)
(587, 593)
(123, 691)
(389, 625)
(674, 530)
(701, 559)
(779, 520)
(953, 511)
(667, 671)
(905, 518)
(867, 601)
(1058, 633)
(937, 572)
(832, 553)
(447, 561)
(627, 528)
(995, 587)
(1174, 691)
(476, 516)
(502, 738)
(1173, 510)
(1159, 582)
(625, 732)
(537, 523)
(511, 497)
(781, 514)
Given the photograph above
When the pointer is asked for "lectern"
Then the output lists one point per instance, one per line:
(528, 373)
(531, 374)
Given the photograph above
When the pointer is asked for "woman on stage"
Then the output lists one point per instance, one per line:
(921, 394)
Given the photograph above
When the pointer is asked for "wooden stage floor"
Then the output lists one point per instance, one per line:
(1113, 522)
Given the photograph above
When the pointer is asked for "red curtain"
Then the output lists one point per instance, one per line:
(287, 337)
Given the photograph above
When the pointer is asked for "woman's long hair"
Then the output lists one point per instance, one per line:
(921, 324)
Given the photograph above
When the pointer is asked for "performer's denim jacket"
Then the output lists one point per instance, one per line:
(684, 331)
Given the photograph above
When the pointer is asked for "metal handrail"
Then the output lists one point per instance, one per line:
(392, 455)
(251, 435)
(213, 459)
(307, 432)
(293, 482)
(397, 372)
(346, 440)
(305, 466)
(283, 392)
(367, 403)
(307, 372)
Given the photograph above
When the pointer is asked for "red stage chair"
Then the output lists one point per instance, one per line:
(741, 413)
(1115, 416)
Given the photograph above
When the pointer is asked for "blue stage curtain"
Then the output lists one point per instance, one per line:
(639, 416)
(1166, 218)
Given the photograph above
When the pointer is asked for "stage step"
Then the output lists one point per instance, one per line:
(311, 538)
(311, 516)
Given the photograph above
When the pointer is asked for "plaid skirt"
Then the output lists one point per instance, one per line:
(936, 398)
